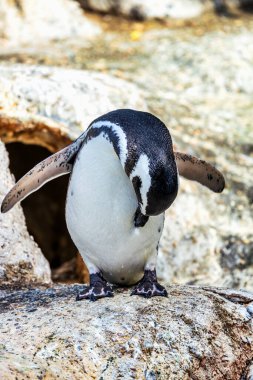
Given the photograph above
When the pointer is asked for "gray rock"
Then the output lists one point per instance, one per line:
(72, 98)
(21, 260)
(40, 21)
(166, 9)
(202, 333)
(148, 9)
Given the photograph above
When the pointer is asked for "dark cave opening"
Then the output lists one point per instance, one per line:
(45, 209)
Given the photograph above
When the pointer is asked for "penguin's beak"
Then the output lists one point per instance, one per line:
(139, 219)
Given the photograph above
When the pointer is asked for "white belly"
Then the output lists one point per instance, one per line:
(100, 209)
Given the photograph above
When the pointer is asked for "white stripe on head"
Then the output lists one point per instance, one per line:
(120, 134)
(141, 170)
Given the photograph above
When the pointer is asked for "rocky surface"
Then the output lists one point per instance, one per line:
(166, 9)
(138, 9)
(54, 100)
(195, 333)
(41, 21)
(21, 260)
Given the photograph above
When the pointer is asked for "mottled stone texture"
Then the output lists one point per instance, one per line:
(21, 260)
(39, 102)
(147, 9)
(163, 9)
(195, 333)
(29, 21)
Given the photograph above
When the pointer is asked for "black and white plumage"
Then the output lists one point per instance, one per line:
(124, 175)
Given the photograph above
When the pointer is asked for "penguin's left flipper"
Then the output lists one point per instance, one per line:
(52, 167)
(198, 170)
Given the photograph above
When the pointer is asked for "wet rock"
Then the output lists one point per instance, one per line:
(21, 260)
(202, 333)
(33, 22)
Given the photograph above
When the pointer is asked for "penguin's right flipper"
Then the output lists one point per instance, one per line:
(52, 167)
(201, 171)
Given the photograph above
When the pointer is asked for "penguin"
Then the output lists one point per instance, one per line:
(124, 174)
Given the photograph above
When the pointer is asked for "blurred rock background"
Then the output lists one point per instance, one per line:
(190, 62)
(63, 65)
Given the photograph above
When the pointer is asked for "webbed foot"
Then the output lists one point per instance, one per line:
(99, 288)
(149, 287)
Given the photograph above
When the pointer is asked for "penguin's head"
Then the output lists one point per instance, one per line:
(155, 183)
(144, 147)
(162, 192)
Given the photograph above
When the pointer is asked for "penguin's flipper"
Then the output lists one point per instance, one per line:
(52, 167)
(198, 170)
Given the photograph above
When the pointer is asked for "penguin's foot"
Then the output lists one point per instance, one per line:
(99, 288)
(149, 287)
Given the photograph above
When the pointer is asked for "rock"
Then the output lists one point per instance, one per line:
(21, 260)
(51, 106)
(195, 333)
(37, 22)
(139, 9)
(166, 9)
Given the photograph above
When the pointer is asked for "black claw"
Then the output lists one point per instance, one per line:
(78, 297)
(98, 288)
(149, 287)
